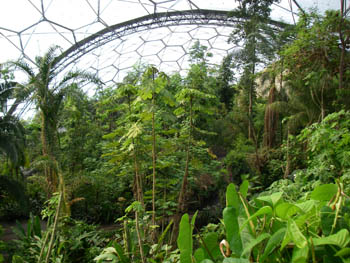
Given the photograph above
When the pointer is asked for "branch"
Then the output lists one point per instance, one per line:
(296, 3)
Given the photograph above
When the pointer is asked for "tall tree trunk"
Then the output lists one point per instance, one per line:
(287, 170)
(154, 167)
(139, 239)
(182, 195)
(138, 179)
(343, 42)
(250, 113)
(270, 121)
(47, 150)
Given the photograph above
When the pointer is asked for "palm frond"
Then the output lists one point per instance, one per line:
(21, 65)
(12, 139)
(80, 76)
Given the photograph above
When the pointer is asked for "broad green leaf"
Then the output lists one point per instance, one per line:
(230, 216)
(108, 254)
(272, 199)
(184, 240)
(120, 253)
(243, 189)
(199, 255)
(295, 234)
(274, 241)
(206, 261)
(212, 244)
(236, 260)
(232, 198)
(286, 210)
(306, 206)
(146, 116)
(287, 238)
(146, 94)
(327, 219)
(193, 220)
(179, 111)
(344, 252)
(248, 247)
(340, 239)
(300, 255)
(324, 192)
(262, 211)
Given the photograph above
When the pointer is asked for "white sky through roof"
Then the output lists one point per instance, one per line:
(29, 27)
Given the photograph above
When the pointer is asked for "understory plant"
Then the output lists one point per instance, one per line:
(63, 240)
(270, 229)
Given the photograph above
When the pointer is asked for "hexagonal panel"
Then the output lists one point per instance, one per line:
(38, 24)
(150, 48)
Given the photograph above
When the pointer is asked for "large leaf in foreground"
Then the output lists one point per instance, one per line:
(340, 239)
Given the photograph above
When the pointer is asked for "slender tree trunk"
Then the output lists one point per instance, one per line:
(47, 142)
(343, 42)
(251, 91)
(138, 179)
(287, 171)
(250, 113)
(139, 193)
(139, 239)
(181, 200)
(323, 111)
(154, 157)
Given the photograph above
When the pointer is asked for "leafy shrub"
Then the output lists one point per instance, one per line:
(270, 229)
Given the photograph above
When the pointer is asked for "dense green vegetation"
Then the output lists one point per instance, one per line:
(246, 162)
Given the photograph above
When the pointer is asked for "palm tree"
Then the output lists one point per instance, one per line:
(47, 89)
(11, 131)
(12, 145)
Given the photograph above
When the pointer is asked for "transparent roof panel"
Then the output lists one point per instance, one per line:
(130, 31)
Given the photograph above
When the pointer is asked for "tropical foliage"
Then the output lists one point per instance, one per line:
(157, 159)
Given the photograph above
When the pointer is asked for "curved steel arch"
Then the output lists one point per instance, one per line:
(149, 22)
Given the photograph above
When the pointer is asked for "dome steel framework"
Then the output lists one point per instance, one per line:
(158, 32)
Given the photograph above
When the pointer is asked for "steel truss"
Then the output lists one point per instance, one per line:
(150, 22)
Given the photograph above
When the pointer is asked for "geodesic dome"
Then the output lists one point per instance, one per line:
(110, 36)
